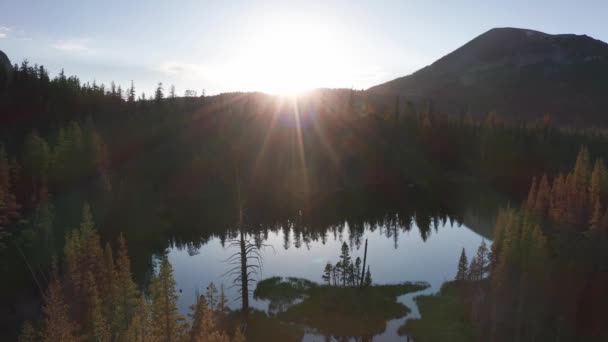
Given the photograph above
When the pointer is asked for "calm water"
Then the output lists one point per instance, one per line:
(394, 258)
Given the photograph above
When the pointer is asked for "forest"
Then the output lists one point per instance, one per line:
(87, 169)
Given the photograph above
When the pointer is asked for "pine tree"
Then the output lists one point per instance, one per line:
(159, 94)
(368, 278)
(131, 93)
(140, 327)
(483, 259)
(462, 266)
(337, 275)
(165, 318)
(345, 262)
(327, 273)
(357, 270)
(203, 323)
(28, 333)
(108, 300)
(127, 296)
(95, 325)
(57, 324)
(211, 296)
(474, 270)
(172, 94)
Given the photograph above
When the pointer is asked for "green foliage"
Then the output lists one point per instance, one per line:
(28, 333)
(336, 311)
(443, 318)
(166, 320)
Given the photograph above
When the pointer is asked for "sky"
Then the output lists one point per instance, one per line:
(269, 46)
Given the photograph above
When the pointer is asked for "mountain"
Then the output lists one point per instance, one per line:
(520, 74)
(6, 70)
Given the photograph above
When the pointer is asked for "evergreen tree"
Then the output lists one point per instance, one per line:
(159, 94)
(95, 325)
(337, 273)
(165, 318)
(127, 296)
(462, 266)
(140, 327)
(172, 94)
(483, 259)
(474, 269)
(203, 323)
(109, 279)
(345, 262)
(327, 273)
(57, 324)
(357, 270)
(131, 93)
(367, 282)
(28, 333)
(211, 296)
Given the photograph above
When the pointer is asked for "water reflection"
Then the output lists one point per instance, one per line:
(412, 237)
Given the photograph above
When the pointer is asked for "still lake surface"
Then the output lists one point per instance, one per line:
(395, 254)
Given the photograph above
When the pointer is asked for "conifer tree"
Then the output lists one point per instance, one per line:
(95, 325)
(462, 266)
(474, 270)
(159, 94)
(109, 299)
(131, 93)
(211, 296)
(368, 278)
(165, 317)
(57, 324)
(172, 94)
(127, 296)
(357, 270)
(140, 327)
(28, 333)
(483, 259)
(327, 273)
(345, 262)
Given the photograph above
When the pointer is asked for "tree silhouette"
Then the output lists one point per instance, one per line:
(462, 266)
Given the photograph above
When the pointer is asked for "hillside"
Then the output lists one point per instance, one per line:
(521, 74)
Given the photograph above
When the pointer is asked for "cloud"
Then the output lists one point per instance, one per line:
(4, 31)
(72, 46)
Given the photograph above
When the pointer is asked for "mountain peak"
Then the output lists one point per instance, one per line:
(519, 72)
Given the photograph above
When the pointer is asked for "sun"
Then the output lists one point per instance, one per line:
(290, 57)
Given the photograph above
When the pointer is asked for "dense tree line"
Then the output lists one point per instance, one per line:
(166, 167)
(547, 271)
(94, 298)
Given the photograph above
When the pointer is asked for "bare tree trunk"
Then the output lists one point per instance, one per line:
(364, 261)
(244, 277)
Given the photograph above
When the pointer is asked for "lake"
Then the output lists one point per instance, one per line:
(398, 251)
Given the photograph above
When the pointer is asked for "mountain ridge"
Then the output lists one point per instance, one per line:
(518, 72)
